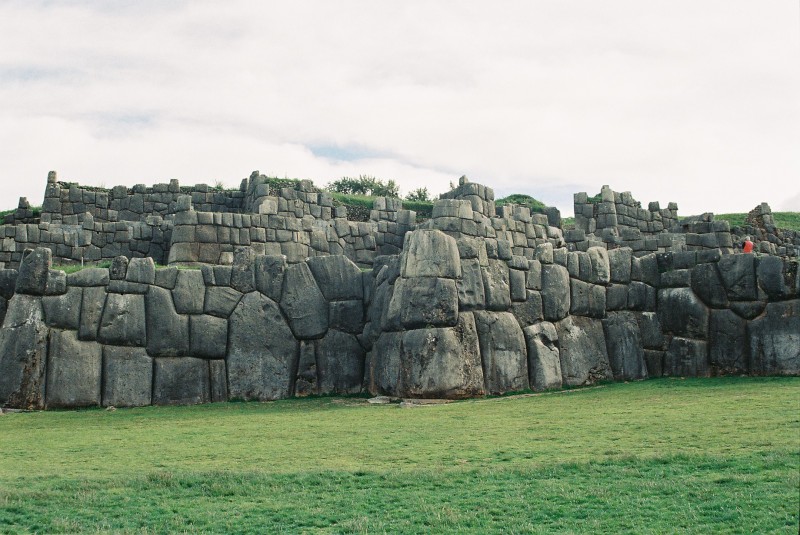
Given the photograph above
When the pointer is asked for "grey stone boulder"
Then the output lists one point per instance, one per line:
(63, 311)
(262, 352)
(707, 284)
(426, 301)
(269, 272)
(496, 286)
(384, 364)
(340, 363)
(119, 268)
(619, 261)
(347, 316)
(167, 277)
(470, 285)
(625, 348)
(655, 362)
(34, 271)
(208, 336)
(587, 299)
(582, 350)
(544, 363)
(8, 282)
(89, 277)
(728, 345)
(650, 330)
(442, 362)
(189, 292)
(748, 309)
(123, 321)
(218, 375)
(682, 313)
(92, 303)
(220, 301)
(776, 277)
(503, 352)
(430, 253)
(616, 297)
(738, 272)
(56, 282)
(243, 270)
(303, 303)
(338, 277)
(23, 354)
(74, 371)
(530, 311)
(127, 377)
(600, 270)
(167, 331)
(141, 270)
(181, 381)
(775, 339)
(686, 357)
(555, 292)
(306, 382)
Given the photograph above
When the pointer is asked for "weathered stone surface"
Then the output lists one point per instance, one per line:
(384, 364)
(619, 261)
(682, 313)
(347, 316)
(74, 371)
(650, 330)
(119, 268)
(303, 303)
(443, 362)
(63, 311)
(426, 301)
(340, 363)
(544, 363)
(645, 269)
(583, 353)
(218, 374)
(728, 346)
(337, 276)
(686, 358)
(167, 331)
(600, 270)
(89, 277)
(738, 272)
(707, 284)
(8, 282)
(189, 292)
(748, 309)
(555, 292)
(243, 270)
(269, 272)
(123, 321)
(33, 272)
(655, 362)
(624, 344)
(587, 299)
(220, 301)
(503, 352)
(92, 303)
(167, 277)
(23, 354)
(262, 352)
(141, 270)
(209, 336)
(776, 277)
(616, 297)
(517, 285)
(181, 381)
(775, 339)
(470, 285)
(430, 253)
(530, 311)
(306, 382)
(56, 282)
(496, 286)
(127, 377)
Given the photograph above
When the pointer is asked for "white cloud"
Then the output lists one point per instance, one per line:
(693, 102)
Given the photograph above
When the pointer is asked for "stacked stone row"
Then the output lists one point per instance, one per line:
(621, 210)
(393, 224)
(480, 197)
(89, 241)
(703, 232)
(133, 335)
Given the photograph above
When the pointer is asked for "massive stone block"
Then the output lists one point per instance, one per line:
(442, 363)
(530, 311)
(92, 303)
(23, 354)
(583, 353)
(587, 299)
(74, 371)
(88, 277)
(496, 285)
(728, 345)
(426, 301)
(337, 276)
(619, 261)
(63, 311)
(34, 271)
(707, 284)
(544, 363)
(738, 273)
(208, 336)
(189, 292)
(243, 270)
(775, 339)
(123, 321)
(340, 363)
(303, 303)
(167, 331)
(555, 292)
(625, 347)
(347, 316)
(384, 364)
(682, 313)
(503, 352)
(181, 381)
(470, 285)
(221, 300)
(600, 270)
(269, 273)
(262, 352)
(430, 253)
(127, 377)
(777, 278)
(141, 270)
(686, 357)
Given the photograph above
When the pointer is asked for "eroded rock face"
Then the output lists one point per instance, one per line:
(544, 363)
(23, 354)
(303, 303)
(503, 352)
(583, 353)
(625, 347)
(74, 370)
(775, 339)
(430, 253)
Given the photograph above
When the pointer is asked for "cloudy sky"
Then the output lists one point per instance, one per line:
(694, 101)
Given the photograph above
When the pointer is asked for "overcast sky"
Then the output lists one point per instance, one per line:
(695, 101)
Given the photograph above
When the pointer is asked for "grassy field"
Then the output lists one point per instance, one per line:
(667, 455)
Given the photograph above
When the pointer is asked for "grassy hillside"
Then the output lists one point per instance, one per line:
(668, 455)
(787, 220)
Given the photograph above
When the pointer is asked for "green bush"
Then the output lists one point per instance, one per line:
(535, 205)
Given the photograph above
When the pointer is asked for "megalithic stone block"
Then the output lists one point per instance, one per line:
(23, 354)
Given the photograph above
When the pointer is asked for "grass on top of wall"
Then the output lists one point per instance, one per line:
(785, 220)
(666, 455)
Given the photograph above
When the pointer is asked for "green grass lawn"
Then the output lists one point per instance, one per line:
(667, 455)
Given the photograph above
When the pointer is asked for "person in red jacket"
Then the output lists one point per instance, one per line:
(747, 245)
